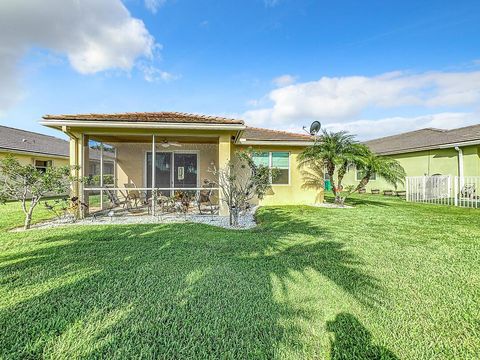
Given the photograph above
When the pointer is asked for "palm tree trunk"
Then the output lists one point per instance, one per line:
(331, 172)
(341, 173)
(362, 183)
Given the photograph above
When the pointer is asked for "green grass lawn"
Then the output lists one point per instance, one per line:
(385, 279)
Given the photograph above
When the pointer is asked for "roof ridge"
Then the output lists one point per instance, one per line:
(405, 133)
(146, 114)
(33, 132)
(462, 128)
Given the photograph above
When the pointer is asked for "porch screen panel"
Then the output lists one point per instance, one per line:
(92, 164)
(109, 163)
(163, 170)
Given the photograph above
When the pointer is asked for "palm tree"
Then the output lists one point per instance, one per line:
(335, 149)
(387, 168)
(350, 158)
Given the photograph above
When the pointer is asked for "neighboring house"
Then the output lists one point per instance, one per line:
(33, 148)
(43, 151)
(187, 147)
(427, 152)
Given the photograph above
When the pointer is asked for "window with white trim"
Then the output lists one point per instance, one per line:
(279, 160)
(360, 174)
(42, 165)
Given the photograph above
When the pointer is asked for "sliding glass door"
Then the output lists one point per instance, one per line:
(185, 170)
(163, 171)
(172, 170)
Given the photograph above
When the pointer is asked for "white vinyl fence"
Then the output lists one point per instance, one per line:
(444, 190)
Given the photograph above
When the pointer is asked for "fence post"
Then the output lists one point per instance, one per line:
(449, 189)
(407, 186)
(477, 182)
(455, 192)
(424, 188)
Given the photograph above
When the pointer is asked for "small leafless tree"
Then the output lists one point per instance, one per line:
(28, 185)
(241, 181)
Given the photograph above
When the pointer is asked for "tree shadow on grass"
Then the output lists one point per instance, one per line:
(177, 290)
(367, 200)
(352, 341)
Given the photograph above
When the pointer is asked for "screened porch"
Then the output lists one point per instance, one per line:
(150, 174)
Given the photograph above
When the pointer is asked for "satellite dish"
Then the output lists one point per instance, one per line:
(315, 128)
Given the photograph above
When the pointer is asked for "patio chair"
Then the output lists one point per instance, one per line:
(115, 200)
(205, 196)
(166, 204)
(134, 195)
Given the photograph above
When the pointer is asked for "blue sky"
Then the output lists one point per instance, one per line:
(370, 67)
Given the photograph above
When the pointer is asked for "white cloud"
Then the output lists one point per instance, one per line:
(94, 35)
(153, 74)
(154, 5)
(344, 100)
(271, 3)
(284, 80)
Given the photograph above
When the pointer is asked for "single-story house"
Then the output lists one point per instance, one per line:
(427, 152)
(171, 151)
(42, 150)
(33, 148)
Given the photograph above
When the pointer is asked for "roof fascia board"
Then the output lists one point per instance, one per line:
(276, 142)
(141, 125)
(432, 147)
(460, 143)
(36, 153)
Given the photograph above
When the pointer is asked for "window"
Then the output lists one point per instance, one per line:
(93, 169)
(360, 174)
(275, 160)
(42, 165)
(108, 168)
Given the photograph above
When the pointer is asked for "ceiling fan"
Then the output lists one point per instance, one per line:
(165, 143)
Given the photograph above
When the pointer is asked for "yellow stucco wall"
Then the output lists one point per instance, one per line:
(471, 161)
(293, 193)
(25, 159)
(431, 162)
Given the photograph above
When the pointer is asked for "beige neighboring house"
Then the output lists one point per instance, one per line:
(42, 150)
(33, 148)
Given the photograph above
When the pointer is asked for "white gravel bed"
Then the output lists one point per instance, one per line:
(246, 221)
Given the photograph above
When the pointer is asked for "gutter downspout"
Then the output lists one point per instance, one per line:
(460, 161)
(237, 136)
